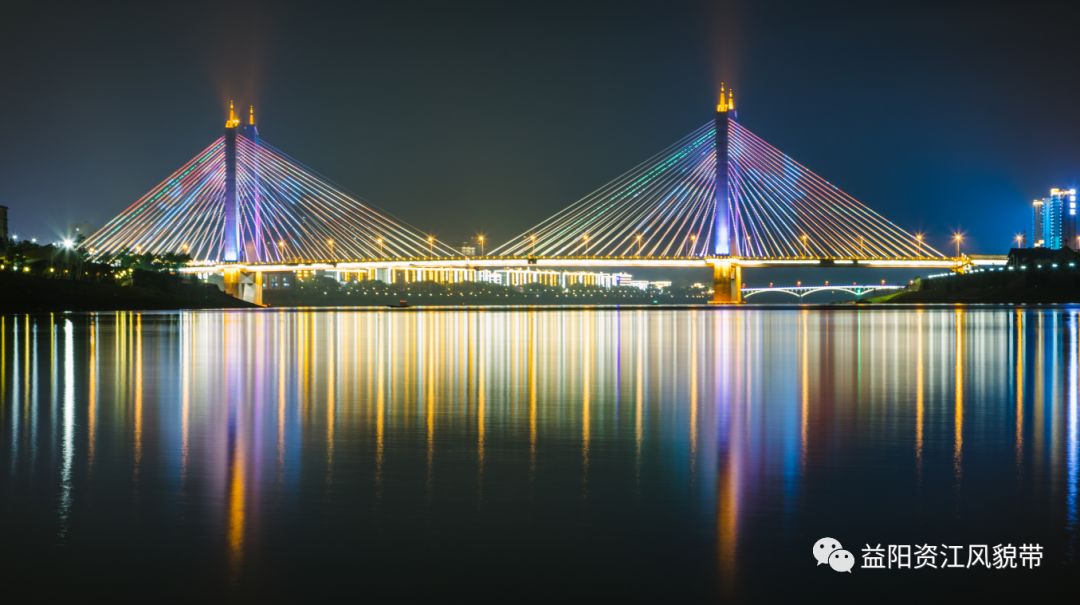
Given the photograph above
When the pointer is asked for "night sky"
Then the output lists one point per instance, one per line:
(467, 117)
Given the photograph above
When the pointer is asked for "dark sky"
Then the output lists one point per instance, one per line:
(462, 117)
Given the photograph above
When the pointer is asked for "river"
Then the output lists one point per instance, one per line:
(676, 454)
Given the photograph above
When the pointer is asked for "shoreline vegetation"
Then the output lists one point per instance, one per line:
(36, 278)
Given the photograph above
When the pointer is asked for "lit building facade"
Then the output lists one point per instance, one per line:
(1038, 218)
(1053, 220)
(1070, 236)
(510, 277)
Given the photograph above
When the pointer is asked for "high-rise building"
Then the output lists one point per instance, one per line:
(3, 225)
(1038, 218)
(1070, 236)
(1053, 223)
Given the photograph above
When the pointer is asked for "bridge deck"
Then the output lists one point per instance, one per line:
(588, 261)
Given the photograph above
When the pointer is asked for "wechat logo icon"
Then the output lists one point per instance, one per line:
(828, 551)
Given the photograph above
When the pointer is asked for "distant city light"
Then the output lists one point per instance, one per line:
(1054, 220)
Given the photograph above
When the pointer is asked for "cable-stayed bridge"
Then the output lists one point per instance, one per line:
(720, 197)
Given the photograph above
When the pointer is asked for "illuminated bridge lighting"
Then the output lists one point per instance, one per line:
(286, 213)
(781, 210)
(242, 201)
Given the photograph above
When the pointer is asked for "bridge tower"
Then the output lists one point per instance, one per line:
(231, 252)
(253, 251)
(727, 274)
(724, 241)
(241, 284)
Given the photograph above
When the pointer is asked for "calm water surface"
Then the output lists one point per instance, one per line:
(670, 454)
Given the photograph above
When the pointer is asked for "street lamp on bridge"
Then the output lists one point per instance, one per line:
(532, 244)
(379, 241)
(431, 245)
(919, 237)
(480, 239)
(1020, 240)
(585, 239)
(693, 240)
(330, 243)
(958, 238)
(806, 244)
(639, 244)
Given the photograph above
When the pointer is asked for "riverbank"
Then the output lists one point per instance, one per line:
(1049, 285)
(32, 294)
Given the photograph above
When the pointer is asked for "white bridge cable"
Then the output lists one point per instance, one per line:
(285, 212)
(836, 224)
(652, 201)
(665, 207)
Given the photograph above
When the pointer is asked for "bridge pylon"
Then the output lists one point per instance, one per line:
(727, 282)
(245, 285)
(231, 244)
(723, 228)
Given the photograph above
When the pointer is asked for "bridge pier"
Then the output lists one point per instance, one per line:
(727, 283)
(247, 286)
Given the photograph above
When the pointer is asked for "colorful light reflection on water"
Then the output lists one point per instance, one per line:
(675, 453)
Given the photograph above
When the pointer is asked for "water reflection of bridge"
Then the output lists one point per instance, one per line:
(231, 416)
